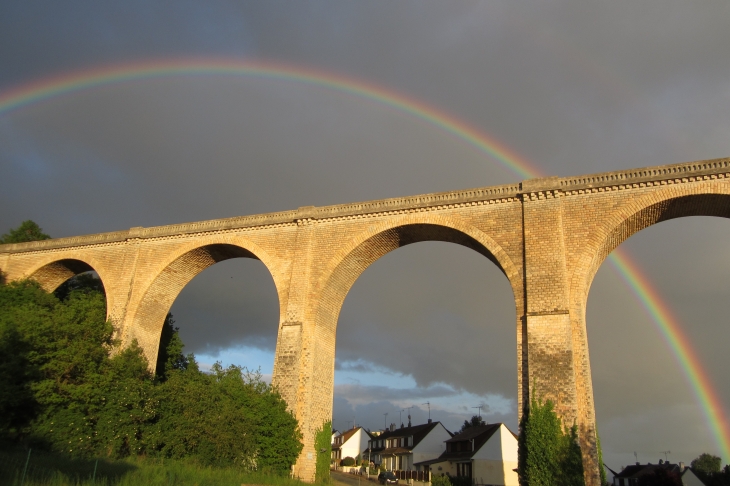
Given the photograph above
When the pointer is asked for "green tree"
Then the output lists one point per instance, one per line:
(170, 356)
(83, 396)
(539, 445)
(87, 282)
(604, 480)
(547, 454)
(17, 403)
(475, 421)
(323, 449)
(27, 231)
(129, 405)
(706, 464)
(571, 459)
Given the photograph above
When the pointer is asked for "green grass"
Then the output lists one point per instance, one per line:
(47, 469)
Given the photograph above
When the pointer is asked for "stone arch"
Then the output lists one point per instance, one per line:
(347, 265)
(369, 246)
(51, 273)
(671, 202)
(174, 274)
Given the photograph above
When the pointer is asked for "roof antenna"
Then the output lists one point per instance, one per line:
(429, 410)
(636, 456)
(480, 407)
(409, 414)
(385, 421)
(665, 455)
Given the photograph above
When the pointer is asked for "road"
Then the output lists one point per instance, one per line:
(344, 479)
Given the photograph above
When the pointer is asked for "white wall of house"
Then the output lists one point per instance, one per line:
(354, 446)
(446, 467)
(430, 446)
(690, 479)
(495, 461)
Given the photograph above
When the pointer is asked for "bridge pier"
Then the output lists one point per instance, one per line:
(557, 351)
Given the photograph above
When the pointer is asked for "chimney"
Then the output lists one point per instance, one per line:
(392, 427)
(429, 421)
(681, 467)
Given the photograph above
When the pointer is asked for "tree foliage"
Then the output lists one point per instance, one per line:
(323, 449)
(27, 231)
(602, 470)
(707, 468)
(65, 385)
(475, 421)
(547, 454)
(706, 464)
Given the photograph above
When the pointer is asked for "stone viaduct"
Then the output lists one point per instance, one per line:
(548, 236)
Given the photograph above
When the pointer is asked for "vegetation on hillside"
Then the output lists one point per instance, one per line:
(66, 387)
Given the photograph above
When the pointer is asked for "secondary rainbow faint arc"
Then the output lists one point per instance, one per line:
(659, 311)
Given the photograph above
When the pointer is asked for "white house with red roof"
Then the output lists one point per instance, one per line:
(349, 443)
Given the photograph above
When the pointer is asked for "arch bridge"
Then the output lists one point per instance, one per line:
(548, 236)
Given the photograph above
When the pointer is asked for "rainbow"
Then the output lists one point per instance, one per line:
(99, 77)
(647, 295)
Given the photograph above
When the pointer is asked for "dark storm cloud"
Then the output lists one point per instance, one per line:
(574, 87)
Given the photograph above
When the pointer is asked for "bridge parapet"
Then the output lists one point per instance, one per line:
(626, 179)
(691, 171)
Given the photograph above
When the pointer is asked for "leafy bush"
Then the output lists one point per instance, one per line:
(323, 449)
(348, 461)
(71, 394)
(440, 480)
(547, 455)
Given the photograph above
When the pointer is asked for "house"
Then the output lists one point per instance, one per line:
(486, 454)
(631, 475)
(398, 449)
(349, 444)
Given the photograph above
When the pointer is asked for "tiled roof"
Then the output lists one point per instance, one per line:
(417, 431)
(346, 436)
(479, 433)
(639, 470)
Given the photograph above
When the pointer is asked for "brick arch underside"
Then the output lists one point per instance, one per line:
(349, 269)
(655, 211)
(51, 275)
(161, 294)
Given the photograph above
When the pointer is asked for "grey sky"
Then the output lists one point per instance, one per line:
(573, 86)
